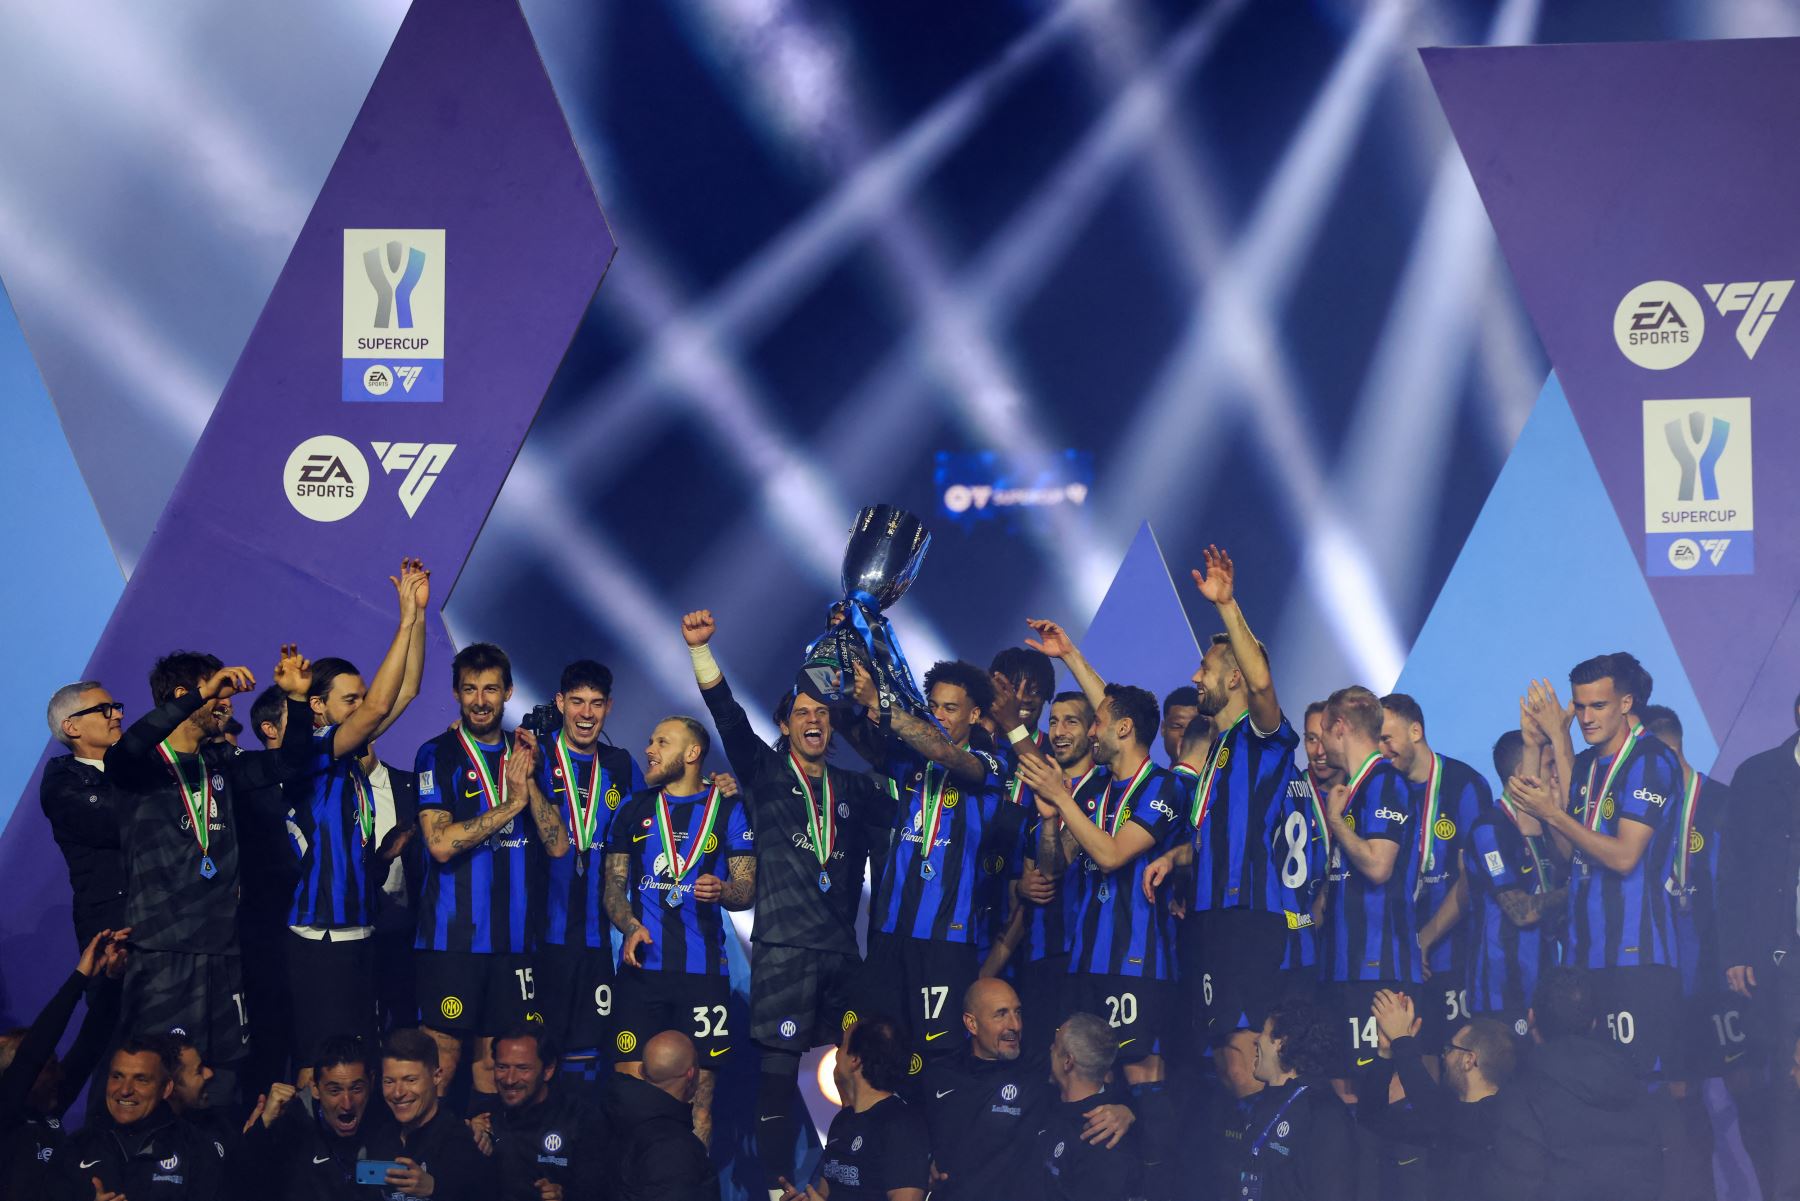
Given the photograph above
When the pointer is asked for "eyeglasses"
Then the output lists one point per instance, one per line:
(1451, 1046)
(104, 709)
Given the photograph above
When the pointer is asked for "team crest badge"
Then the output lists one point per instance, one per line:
(451, 1007)
(626, 1042)
(1696, 842)
(612, 797)
(1445, 829)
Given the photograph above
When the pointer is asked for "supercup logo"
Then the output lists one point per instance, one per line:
(326, 478)
(393, 314)
(1658, 325)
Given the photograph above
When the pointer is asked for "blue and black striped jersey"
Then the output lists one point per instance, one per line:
(334, 811)
(1625, 919)
(1506, 959)
(1307, 869)
(575, 913)
(1247, 857)
(1369, 930)
(1116, 932)
(1462, 795)
(1048, 927)
(486, 900)
(929, 891)
(688, 937)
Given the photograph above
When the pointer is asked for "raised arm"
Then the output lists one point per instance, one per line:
(1054, 641)
(921, 736)
(1617, 853)
(396, 681)
(1218, 584)
(133, 761)
(743, 749)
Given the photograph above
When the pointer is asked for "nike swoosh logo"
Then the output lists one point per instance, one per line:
(776, 1118)
(318, 1159)
(945, 1093)
(716, 1052)
(1735, 1058)
(639, 837)
(939, 1034)
(1127, 1042)
(1363, 1063)
(88, 1163)
(467, 795)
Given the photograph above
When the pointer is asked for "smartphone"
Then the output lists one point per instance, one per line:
(374, 1171)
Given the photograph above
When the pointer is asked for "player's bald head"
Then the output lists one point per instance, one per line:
(986, 995)
(669, 1061)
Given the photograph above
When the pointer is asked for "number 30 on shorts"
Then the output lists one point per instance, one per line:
(1122, 1010)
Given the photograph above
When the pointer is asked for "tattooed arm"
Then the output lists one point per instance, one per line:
(1529, 908)
(920, 735)
(617, 902)
(740, 891)
(446, 839)
(550, 828)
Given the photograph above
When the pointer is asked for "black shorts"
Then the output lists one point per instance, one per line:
(920, 983)
(332, 983)
(1231, 967)
(1351, 1004)
(647, 1003)
(798, 997)
(1042, 983)
(1138, 1008)
(465, 993)
(1715, 1036)
(575, 995)
(1641, 1010)
(1446, 1003)
(201, 996)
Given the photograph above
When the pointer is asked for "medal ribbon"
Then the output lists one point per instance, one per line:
(1531, 843)
(1362, 773)
(1318, 809)
(1688, 803)
(1203, 797)
(931, 808)
(1131, 790)
(197, 801)
(665, 826)
(1591, 816)
(822, 828)
(479, 762)
(365, 808)
(582, 822)
(1434, 783)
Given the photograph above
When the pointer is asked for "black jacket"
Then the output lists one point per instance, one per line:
(299, 1159)
(659, 1159)
(446, 1149)
(1307, 1143)
(160, 1158)
(563, 1140)
(1458, 1135)
(30, 1138)
(1575, 1124)
(84, 819)
(1070, 1169)
(1756, 869)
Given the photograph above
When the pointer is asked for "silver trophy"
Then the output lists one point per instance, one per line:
(886, 547)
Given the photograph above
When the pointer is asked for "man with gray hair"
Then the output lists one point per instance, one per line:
(1081, 1057)
(79, 802)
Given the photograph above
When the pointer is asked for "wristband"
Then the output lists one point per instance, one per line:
(1018, 734)
(706, 668)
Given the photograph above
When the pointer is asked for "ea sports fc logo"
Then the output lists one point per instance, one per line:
(626, 1042)
(451, 1008)
(326, 478)
(1658, 325)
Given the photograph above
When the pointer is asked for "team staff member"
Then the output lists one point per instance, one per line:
(1300, 1141)
(1369, 944)
(433, 1147)
(878, 1148)
(312, 1155)
(1517, 901)
(1250, 847)
(817, 823)
(138, 1147)
(1448, 795)
(587, 781)
(680, 854)
(330, 952)
(922, 920)
(1620, 831)
(985, 1103)
(1070, 1166)
(479, 910)
(178, 795)
(547, 1144)
(78, 799)
(36, 1089)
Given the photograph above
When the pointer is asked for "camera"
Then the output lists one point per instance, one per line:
(542, 721)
